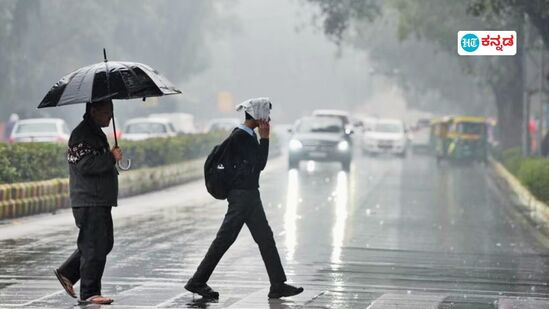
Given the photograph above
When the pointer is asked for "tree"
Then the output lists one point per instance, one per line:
(537, 10)
(41, 41)
(438, 22)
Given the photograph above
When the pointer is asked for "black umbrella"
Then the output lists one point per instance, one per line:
(108, 80)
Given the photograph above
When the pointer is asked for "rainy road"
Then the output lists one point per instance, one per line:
(394, 233)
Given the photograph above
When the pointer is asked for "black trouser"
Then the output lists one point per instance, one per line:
(244, 207)
(95, 241)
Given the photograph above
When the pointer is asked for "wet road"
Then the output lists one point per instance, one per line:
(394, 233)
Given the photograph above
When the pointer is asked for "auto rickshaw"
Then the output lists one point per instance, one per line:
(439, 137)
(461, 138)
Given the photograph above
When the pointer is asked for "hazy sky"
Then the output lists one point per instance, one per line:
(272, 49)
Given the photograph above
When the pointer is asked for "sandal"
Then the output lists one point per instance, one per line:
(96, 300)
(65, 283)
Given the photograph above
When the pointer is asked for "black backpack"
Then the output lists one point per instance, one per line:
(218, 170)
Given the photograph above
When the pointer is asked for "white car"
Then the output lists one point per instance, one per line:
(343, 115)
(182, 122)
(40, 130)
(421, 135)
(138, 129)
(222, 124)
(386, 136)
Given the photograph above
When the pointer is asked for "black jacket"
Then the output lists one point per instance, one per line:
(250, 158)
(93, 176)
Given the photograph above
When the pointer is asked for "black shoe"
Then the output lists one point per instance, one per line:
(284, 290)
(201, 289)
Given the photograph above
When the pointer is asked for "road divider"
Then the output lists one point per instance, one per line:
(28, 198)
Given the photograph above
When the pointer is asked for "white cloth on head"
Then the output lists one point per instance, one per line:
(258, 108)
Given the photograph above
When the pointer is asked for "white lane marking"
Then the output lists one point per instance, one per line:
(259, 299)
(170, 301)
(41, 298)
(523, 303)
(407, 301)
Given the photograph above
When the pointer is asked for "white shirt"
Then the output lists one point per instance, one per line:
(247, 129)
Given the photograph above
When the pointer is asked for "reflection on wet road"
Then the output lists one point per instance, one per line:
(391, 233)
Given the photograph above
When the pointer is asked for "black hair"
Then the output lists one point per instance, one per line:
(97, 104)
(88, 108)
(248, 116)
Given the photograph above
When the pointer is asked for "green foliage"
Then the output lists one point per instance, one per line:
(338, 14)
(25, 162)
(162, 151)
(534, 174)
(512, 158)
(40, 161)
(8, 173)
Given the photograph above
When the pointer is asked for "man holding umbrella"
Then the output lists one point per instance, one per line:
(93, 191)
(92, 164)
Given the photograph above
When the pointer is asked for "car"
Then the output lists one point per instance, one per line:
(182, 122)
(144, 128)
(369, 123)
(319, 138)
(423, 123)
(40, 130)
(344, 116)
(388, 136)
(222, 124)
(421, 136)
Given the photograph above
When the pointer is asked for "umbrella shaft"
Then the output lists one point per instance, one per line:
(114, 129)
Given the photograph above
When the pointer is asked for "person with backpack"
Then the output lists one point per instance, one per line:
(233, 169)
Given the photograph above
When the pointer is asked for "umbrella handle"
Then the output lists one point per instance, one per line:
(124, 166)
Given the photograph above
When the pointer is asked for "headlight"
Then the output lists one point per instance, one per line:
(295, 145)
(343, 146)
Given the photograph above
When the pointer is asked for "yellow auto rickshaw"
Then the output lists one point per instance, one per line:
(461, 138)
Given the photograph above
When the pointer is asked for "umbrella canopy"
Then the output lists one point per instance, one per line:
(108, 80)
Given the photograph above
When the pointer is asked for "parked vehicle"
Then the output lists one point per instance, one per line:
(222, 124)
(319, 139)
(40, 130)
(144, 128)
(182, 122)
(388, 136)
